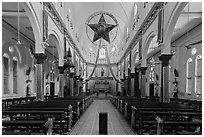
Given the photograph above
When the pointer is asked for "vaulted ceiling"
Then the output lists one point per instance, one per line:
(79, 12)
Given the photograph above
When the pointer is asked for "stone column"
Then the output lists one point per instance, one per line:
(116, 85)
(40, 57)
(164, 95)
(132, 88)
(78, 87)
(136, 88)
(86, 87)
(143, 81)
(61, 75)
(71, 86)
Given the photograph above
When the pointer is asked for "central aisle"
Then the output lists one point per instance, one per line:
(88, 124)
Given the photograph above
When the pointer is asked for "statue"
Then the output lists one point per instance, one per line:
(175, 91)
(28, 89)
(102, 72)
(48, 126)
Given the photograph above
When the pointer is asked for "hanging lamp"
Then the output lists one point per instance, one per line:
(18, 42)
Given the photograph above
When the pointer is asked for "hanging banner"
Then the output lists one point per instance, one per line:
(140, 48)
(160, 25)
(45, 23)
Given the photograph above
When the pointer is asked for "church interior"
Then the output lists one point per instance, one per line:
(101, 68)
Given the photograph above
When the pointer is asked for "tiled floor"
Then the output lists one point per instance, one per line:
(88, 124)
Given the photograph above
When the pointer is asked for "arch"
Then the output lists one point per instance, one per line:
(16, 52)
(133, 59)
(35, 23)
(198, 74)
(170, 27)
(58, 46)
(146, 47)
(188, 76)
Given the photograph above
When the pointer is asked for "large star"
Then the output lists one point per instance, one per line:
(101, 29)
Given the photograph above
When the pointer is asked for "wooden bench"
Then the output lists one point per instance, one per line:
(61, 104)
(28, 125)
(27, 114)
(171, 119)
(7, 103)
(196, 104)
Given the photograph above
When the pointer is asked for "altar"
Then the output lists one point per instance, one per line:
(101, 86)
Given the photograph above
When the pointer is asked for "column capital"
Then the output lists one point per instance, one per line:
(164, 58)
(143, 70)
(61, 69)
(40, 57)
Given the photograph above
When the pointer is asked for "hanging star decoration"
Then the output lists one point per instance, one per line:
(102, 29)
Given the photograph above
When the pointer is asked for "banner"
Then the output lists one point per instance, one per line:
(160, 26)
(45, 23)
(140, 48)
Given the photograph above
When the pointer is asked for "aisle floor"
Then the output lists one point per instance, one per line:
(88, 124)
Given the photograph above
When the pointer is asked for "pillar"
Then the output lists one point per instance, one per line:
(71, 85)
(78, 87)
(164, 95)
(86, 87)
(61, 75)
(136, 86)
(143, 81)
(40, 57)
(132, 76)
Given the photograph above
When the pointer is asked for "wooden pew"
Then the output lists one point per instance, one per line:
(28, 125)
(196, 104)
(59, 104)
(29, 113)
(7, 103)
(170, 117)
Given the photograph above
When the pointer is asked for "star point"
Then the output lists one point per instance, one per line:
(102, 29)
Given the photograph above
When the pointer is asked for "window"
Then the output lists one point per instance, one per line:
(151, 75)
(189, 70)
(153, 44)
(102, 53)
(52, 74)
(136, 16)
(198, 75)
(15, 88)
(6, 73)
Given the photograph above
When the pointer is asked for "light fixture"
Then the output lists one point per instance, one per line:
(18, 42)
(11, 49)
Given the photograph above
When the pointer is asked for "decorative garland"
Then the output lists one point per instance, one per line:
(108, 60)
(94, 65)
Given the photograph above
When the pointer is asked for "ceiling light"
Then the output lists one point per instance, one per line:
(18, 42)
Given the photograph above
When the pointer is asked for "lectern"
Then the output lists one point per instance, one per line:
(103, 123)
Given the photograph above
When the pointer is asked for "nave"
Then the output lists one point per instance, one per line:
(61, 59)
(79, 115)
(88, 124)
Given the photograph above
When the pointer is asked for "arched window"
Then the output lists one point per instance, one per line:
(189, 74)
(151, 75)
(15, 63)
(135, 10)
(198, 75)
(102, 53)
(153, 44)
(136, 16)
(6, 73)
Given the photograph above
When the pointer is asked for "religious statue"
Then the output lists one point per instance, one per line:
(102, 72)
(48, 126)
(28, 89)
(175, 91)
